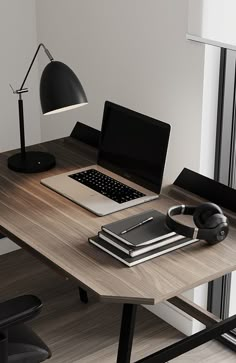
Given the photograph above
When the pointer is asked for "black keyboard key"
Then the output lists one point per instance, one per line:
(106, 185)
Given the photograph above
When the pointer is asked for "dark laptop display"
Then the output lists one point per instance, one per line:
(133, 145)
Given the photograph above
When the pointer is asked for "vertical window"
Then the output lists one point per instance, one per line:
(222, 296)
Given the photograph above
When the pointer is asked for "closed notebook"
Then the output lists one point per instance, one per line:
(153, 231)
(137, 250)
(132, 261)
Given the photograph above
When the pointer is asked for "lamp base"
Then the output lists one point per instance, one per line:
(31, 162)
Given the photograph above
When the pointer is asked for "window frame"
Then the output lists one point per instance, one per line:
(225, 166)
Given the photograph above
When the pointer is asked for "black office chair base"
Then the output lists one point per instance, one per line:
(31, 162)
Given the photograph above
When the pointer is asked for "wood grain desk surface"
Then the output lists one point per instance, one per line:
(57, 230)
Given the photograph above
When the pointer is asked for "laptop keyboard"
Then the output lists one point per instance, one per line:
(106, 186)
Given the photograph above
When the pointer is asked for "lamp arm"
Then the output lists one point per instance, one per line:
(32, 62)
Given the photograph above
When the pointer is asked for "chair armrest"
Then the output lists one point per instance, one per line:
(19, 310)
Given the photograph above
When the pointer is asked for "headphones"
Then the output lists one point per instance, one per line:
(211, 224)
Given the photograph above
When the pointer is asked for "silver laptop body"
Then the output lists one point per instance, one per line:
(89, 198)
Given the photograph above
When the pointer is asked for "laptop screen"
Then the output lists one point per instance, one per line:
(133, 145)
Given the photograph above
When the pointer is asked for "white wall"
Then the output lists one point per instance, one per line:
(219, 20)
(213, 21)
(133, 53)
(209, 110)
(18, 44)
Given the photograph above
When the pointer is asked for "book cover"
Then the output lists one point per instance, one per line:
(153, 231)
(132, 261)
(137, 250)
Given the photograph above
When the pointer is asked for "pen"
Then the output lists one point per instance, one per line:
(137, 225)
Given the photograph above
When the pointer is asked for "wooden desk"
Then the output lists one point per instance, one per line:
(56, 230)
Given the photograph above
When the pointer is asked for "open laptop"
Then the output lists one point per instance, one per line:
(129, 168)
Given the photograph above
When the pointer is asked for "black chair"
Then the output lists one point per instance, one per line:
(18, 343)
(86, 134)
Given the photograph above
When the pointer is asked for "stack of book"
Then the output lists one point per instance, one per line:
(139, 238)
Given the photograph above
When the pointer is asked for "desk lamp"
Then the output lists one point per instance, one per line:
(60, 90)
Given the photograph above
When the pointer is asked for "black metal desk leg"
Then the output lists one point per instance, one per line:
(83, 295)
(3, 348)
(191, 342)
(126, 333)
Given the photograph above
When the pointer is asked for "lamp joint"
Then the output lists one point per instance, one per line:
(19, 91)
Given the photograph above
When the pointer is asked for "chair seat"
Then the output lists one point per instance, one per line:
(24, 346)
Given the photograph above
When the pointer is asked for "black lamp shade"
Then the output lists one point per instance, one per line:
(60, 89)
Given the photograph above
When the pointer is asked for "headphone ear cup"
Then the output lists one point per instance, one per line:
(214, 221)
(219, 235)
(218, 224)
(204, 212)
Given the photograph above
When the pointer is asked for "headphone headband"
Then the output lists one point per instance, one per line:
(182, 228)
(211, 224)
(181, 209)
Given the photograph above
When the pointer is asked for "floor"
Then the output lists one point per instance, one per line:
(89, 333)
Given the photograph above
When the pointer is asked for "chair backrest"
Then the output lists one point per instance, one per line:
(86, 134)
